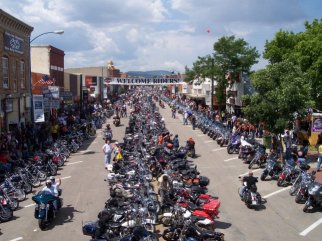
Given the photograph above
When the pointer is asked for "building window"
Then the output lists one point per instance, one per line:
(15, 75)
(5, 72)
(22, 75)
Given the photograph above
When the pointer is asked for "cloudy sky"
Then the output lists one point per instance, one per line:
(156, 34)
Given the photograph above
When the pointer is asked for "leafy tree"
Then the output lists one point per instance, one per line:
(231, 56)
(282, 90)
(303, 49)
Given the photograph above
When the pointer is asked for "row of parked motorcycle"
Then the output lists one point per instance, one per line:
(21, 175)
(154, 185)
(293, 172)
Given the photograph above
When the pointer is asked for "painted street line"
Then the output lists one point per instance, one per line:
(202, 135)
(276, 192)
(66, 177)
(16, 239)
(85, 151)
(311, 227)
(234, 158)
(209, 141)
(30, 205)
(246, 173)
(218, 149)
(72, 163)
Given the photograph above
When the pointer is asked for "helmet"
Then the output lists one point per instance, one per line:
(52, 179)
(48, 183)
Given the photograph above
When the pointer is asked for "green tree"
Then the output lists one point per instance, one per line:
(303, 49)
(231, 56)
(282, 90)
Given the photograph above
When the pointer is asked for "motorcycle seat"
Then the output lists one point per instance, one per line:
(114, 224)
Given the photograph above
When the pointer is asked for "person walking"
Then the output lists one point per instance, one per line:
(173, 111)
(185, 118)
(107, 150)
(193, 122)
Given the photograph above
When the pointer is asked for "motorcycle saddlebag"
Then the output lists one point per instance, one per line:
(199, 190)
(203, 181)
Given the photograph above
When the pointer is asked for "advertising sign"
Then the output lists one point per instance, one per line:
(145, 81)
(39, 115)
(51, 92)
(13, 43)
(317, 124)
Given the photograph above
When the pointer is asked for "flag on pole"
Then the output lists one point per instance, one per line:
(46, 80)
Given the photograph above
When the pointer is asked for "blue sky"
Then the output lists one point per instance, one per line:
(156, 34)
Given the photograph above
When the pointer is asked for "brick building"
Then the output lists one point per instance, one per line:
(14, 71)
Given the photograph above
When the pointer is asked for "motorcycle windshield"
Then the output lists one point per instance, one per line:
(43, 197)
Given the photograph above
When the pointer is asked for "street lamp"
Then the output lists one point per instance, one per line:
(30, 79)
(54, 32)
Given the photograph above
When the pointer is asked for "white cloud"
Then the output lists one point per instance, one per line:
(155, 34)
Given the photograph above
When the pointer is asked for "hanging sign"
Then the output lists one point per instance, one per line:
(144, 81)
(38, 102)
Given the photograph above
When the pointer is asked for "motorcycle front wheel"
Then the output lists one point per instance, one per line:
(35, 182)
(280, 183)
(298, 197)
(293, 189)
(27, 188)
(42, 175)
(230, 149)
(6, 214)
(306, 206)
(14, 204)
(263, 176)
(166, 221)
(170, 235)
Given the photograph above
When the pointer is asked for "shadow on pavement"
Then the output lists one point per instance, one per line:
(222, 225)
(64, 215)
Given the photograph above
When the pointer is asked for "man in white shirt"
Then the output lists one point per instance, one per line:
(107, 150)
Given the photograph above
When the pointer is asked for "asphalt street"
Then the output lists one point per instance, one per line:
(84, 195)
(85, 192)
(279, 219)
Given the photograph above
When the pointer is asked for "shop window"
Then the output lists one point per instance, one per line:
(22, 75)
(5, 72)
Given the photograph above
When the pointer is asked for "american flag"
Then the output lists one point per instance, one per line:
(46, 80)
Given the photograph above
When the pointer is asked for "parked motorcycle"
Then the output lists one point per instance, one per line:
(11, 201)
(287, 176)
(6, 212)
(303, 187)
(314, 199)
(190, 231)
(234, 144)
(273, 168)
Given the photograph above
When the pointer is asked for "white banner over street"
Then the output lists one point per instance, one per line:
(143, 81)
